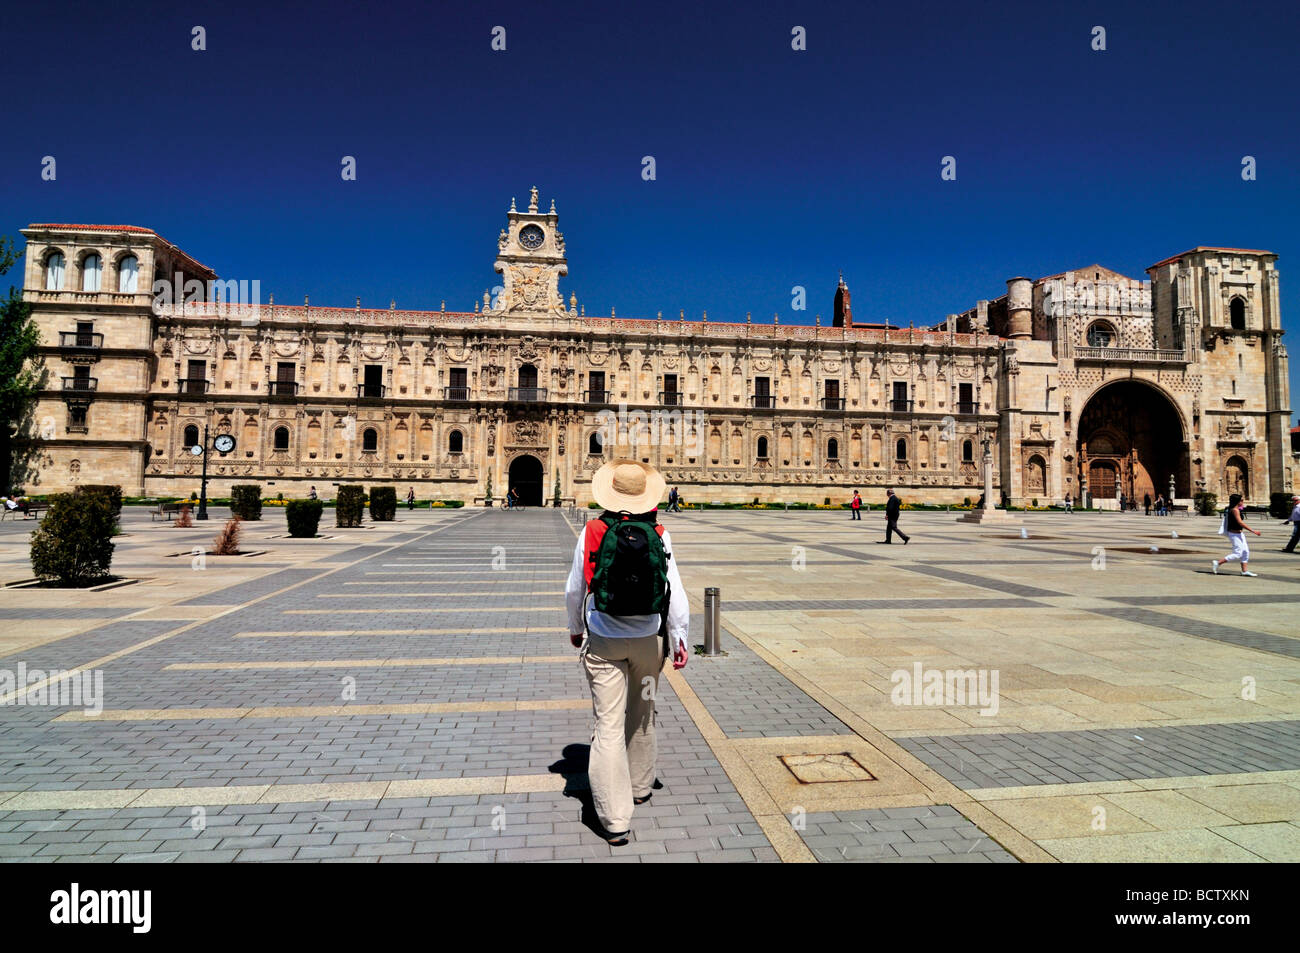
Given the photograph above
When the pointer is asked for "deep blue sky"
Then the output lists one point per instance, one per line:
(775, 168)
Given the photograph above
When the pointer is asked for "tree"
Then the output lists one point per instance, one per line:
(22, 374)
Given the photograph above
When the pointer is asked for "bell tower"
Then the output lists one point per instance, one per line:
(530, 259)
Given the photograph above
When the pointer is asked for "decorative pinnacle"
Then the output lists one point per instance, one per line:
(552, 206)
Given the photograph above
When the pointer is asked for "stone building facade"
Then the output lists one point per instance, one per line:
(1082, 380)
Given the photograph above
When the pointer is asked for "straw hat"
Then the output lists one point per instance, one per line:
(626, 485)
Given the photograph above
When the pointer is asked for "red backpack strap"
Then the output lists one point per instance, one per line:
(591, 537)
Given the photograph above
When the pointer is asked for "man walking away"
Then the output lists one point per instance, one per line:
(1293, 519)
(1234, 527)
(625, 587)
(892, 507)
(1069, 504)
(410, 498)
(1146, 503)
(856, 506)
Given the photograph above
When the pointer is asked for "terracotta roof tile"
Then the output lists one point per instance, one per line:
(95, 228)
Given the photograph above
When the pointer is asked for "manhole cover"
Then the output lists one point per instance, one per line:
(820, 768)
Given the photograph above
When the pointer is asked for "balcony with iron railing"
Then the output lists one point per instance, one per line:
(764, 400)
(598, 396)
(80, 385)
(371, 391)
(901, 406)
(455, 393)
(282, 388)
(833, 403)
(528, 394)
(187, 385)
(80, 341)
(670, 398)
(967, 407)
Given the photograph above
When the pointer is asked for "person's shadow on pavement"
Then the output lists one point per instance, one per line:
(573, 765)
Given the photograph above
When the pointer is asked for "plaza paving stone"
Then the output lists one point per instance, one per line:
(1153, 691)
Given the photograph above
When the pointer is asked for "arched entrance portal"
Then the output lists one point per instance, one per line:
(526, 479)
(1131, 441)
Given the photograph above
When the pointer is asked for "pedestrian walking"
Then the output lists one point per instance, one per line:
(1235, 528)
(625, 592)
(1294, 520)
(410, 498)
(1146, 504)
(1069, 503)
(312, 494)
(856, 506)
(893, 505)
(672, 500)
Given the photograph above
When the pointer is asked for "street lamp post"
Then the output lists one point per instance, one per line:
(203, 486)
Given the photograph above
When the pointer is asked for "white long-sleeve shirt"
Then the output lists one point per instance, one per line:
(627, 626)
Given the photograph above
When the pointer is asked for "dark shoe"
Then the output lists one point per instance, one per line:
(617, 840)
(642, 800)
(906, 540)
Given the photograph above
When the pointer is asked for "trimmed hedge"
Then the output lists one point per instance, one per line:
(1207, 504)
(303, 517)
(111, 493)
(383, 504)
(246, 501)
(73, 544)
(350, 505)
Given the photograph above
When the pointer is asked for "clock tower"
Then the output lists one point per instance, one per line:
(530, 259)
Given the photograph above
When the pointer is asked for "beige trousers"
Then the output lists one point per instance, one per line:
(624, 677)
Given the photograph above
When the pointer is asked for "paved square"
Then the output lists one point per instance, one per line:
(406, 691)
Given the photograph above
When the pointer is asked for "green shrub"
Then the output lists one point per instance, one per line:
(1279, 505)
(303, 517)
(113, 494)
(350, 505)
(965, 501)
(246, 501)
(74, 543)
(1034, 502)
(383, 503)
(1206, 504)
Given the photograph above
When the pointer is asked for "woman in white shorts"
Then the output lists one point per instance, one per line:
(1234, 527)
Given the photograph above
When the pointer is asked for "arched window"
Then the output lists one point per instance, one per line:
(1100, 334)
(900, 450)
(762, 448)
(1237, 312)
(128, 274)
(455, 442)
(90, 269)
(594, 443)
(967, 452)
(191, 436)
(54, 272)
(369, 441)
(282, 438)
(833, 449)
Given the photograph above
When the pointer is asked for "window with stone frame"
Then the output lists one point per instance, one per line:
(77, 422)
(1102, 334)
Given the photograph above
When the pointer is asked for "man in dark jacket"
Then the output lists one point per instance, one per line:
(892, 506)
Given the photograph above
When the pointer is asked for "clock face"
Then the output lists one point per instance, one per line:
(224, 443)
(197, 450)
(531, 237)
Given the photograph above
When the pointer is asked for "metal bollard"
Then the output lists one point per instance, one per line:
(712, 629)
